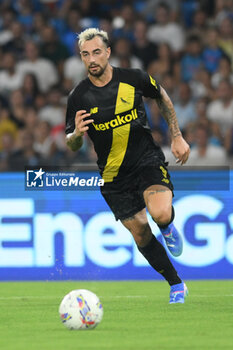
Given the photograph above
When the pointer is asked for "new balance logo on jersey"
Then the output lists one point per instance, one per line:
(119, 120)
(94, 110)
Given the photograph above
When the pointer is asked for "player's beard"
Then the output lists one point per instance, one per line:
(99, 72)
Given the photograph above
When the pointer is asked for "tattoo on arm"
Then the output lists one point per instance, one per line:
(74, 142)
(167, 110)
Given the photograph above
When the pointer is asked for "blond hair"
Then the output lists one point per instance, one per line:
(91, 33)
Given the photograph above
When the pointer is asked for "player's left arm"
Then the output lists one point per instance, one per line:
(179, 146)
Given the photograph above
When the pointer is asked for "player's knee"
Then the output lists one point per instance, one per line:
(162, 216)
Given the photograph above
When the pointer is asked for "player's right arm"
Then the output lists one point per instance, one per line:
(74, 140)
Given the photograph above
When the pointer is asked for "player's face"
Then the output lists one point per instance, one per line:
(95, 55)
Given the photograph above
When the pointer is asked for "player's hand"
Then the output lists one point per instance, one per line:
(81, 125)
(180, 149)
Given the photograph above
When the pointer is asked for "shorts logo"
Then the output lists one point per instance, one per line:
(119, 120)
(164, 172)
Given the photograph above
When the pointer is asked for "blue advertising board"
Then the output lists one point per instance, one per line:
(60, 235)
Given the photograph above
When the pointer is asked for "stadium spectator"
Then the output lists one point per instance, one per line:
(10, 77)
(201, 84)
(199, 24)
(51, 47)
(145, 50)
(106, 25)
(223, 9)
(122, 55)
(216, 136)
(224, 72)
(40, 101)
(57, 134)
(30, 89)
(8, 133)
(192, 59)
(165, 30)
(150, 6)
(221, 109)
(6, 148)
(39, 23)
(203, 153)
(228, 142)
(25, 14)
(25, 154)
(201, 109)
(17, 42)
(177, 71)
(7, 125)
(169, 84)
(155, 119)
(43, 69)
(53, 112)
(17, 108)
(123, 25)
(88, 11)
(212, 52)
(31, 119)
(74, 71)
(163, 64)
(43, 143)
(8, 17)
(226, 35)
(215, 132)
(69, 37)
(184, 107)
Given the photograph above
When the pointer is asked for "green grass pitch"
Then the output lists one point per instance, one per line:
(137, 316)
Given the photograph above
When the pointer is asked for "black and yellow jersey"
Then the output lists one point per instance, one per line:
(120, 131)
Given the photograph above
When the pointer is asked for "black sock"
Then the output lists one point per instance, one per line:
(157, 257)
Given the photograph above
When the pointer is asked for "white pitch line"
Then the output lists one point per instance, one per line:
(123, 296)
(55, 296)
(24, 297)
(212, 296)
(28, 297)
(162, 296)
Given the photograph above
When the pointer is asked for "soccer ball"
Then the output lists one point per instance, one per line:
(81, 309)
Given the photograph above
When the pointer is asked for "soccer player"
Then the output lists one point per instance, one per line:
(108, 106)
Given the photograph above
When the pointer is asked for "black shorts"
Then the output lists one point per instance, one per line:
(125, 197)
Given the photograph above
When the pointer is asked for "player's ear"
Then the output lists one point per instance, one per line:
(108, 51)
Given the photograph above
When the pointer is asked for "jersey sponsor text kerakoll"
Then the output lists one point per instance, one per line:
(119, 120)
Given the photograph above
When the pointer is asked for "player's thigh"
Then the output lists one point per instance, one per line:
(124, 203)
(158, 199)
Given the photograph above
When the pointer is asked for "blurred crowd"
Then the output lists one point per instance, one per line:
(186, 45)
